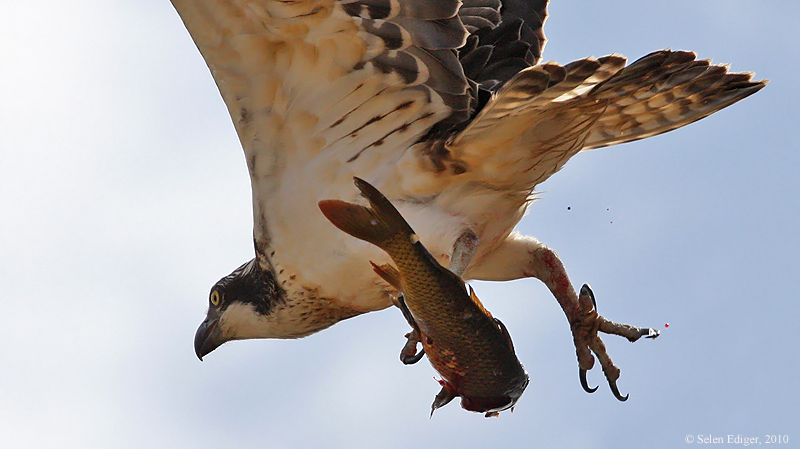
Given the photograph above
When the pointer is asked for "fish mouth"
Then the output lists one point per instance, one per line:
(492, 405)
(489, 405)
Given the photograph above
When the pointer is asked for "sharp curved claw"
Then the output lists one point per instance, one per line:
(413, 359)
(652, 333)
(615, 390)
(585, 383)
(586, 290)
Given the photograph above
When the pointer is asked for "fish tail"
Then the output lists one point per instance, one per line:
(375, 224)
(383, 209)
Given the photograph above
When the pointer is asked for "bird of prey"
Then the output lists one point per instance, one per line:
(447, 109)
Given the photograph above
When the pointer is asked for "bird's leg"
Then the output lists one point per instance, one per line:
(519, 257)
(463, 250)
(588, 307)
(409, 354)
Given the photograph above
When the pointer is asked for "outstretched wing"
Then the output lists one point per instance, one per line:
(426, 94)
(319, 90)
(548, 113)
(300, 75)
(664, 91)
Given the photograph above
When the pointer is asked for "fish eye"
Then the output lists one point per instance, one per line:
(215, 298)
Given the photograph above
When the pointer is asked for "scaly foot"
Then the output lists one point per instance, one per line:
(585, 326)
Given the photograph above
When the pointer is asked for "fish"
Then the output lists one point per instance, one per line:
(470, 349)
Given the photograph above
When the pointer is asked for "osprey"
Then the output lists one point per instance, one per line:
(445, 107)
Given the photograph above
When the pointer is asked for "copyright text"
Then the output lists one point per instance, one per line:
(736, 439)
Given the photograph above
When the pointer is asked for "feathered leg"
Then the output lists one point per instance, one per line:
(463, 250)
(519, 257)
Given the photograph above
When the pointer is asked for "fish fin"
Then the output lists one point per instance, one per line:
(389, 274)
(503, 329)
(477, 301)
(446, 394)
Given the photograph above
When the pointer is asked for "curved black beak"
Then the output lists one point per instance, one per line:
(208, 337)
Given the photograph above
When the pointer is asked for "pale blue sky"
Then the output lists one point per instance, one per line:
(124, 197)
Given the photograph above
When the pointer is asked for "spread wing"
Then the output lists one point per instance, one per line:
(548, 113)
(319, 90)
(347, 66)
(422, 96)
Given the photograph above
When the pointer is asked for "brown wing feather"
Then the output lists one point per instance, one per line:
(664, 91)
(548, 113)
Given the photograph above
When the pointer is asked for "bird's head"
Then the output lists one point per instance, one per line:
(238, 308)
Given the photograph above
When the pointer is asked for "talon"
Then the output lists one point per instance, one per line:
(585, 383)
(586, 290)
(586, 329)
(615, 390)
(652, 333)
(410, 360)
(409, 354)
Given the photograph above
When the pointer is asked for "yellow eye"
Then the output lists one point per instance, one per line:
(215, 298)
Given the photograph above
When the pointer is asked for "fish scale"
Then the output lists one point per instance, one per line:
(469, 348)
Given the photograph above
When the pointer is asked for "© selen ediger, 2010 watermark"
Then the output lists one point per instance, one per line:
(738, 439)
